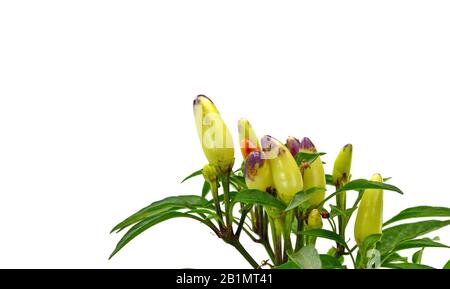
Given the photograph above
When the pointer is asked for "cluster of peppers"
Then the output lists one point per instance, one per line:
(274, 167)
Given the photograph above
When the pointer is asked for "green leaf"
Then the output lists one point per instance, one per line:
(302, 197)
(447, 265)
(419, 243)
(406, 266)
(329, 262)
(258, 197)
(417, 257)
(308, 157)
(335, 211)
(393, 236)
(395, 257)
(164, 205)
(238, 180)
(419, 212)
(370, 242)
(322, 233)
(362, 184)
(194, 174)
(146, 224)
(206, 189)
(329, 180)
(288, 265)
(307, 258)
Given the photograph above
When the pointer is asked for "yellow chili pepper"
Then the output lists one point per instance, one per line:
(287, 179)
(369, 219)
(313, 174)
(216, 139)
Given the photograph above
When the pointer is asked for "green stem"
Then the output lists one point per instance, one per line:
(286, 227)
(215, 193)
(332, 224)
(269, 249)
(341, 202)
(242, 221)
(300, 237)
(276, 239)
(226, 197)
(245, 254)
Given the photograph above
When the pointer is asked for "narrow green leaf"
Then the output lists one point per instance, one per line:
(395, 257)
(308, 157)
(420, 212)
(419, 243)
(362, 184)
(206, 189)
(146, 224)
(393, 236)
(406, 266)
(238, 180)
(164, 205)
(330, 262)
(288, 265)
(329, 180)
(447, 265)
(258, 197)
(194, 174)
(307, 258)
(335, 211)
(322, 233)
(370, 242)
(302, 197)
(417, 256)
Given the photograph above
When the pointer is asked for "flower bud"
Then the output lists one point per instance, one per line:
(257, 172)
(214, 135)
(210, 173)
(286, 176)
(315, 219)
(293, 145)
(313, 174)
(342, 166)
(369, 219)
(247, 138)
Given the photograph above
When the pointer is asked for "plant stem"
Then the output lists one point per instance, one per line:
(276, 239)
(300, 238)
(351, 256)
(226, 195)
(286, 227)
(215, 193)
(245, 254)
(341, 200)
(269, 249)
(242, 221)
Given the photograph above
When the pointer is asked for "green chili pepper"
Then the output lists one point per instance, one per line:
(369, 219)
(216, 139)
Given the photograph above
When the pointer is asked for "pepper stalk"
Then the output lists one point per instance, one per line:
(287, 182)
(341, 176)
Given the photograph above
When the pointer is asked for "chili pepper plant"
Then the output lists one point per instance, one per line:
(282, 199)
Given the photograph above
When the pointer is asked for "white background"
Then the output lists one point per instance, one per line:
(96, 118)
